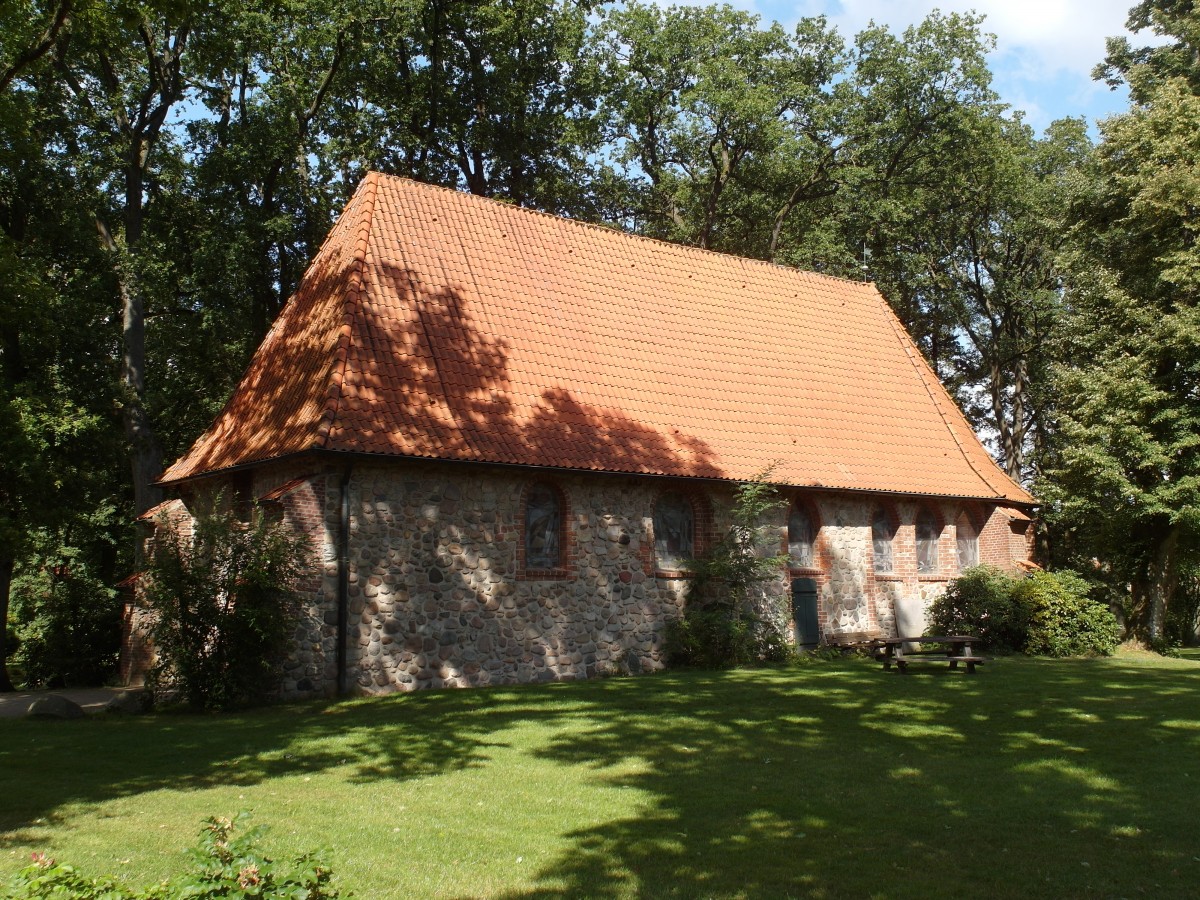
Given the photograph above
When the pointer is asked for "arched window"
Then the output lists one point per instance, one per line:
(927, 542)
(674, 530)
(543, 528)
(967, 537)
(800, 539)
(882, 533)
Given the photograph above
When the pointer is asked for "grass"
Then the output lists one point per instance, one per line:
(1035, 777)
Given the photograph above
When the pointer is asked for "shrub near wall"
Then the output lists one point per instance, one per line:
(721, 625)
(1045, 614)
(981, 602)
(224, 606)
(1063, 620)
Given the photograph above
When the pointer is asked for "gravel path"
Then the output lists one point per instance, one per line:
(91, 699)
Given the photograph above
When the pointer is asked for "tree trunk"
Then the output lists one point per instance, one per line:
(1164, 576)
(1014, 448)
(145, 455)
(6, 570)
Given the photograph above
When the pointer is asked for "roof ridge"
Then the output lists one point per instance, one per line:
(614, 230)
(351, 299)
(926, 375)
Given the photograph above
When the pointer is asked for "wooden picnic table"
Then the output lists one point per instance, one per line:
(952, 649)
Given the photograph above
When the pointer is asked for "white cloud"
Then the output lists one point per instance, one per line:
(1045, 49)
(1043, 38)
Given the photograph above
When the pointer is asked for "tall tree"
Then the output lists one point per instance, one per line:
(31, 34)
(989, 253)
(258, 182)
(1125, 484)
(56, 340)
(495, 98)
(123, 64)
(708, 107)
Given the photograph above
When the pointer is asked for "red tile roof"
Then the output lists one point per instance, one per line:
(439, 324)
(282, 490)
(168, 508)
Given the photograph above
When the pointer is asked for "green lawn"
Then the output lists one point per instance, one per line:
(1033, 777)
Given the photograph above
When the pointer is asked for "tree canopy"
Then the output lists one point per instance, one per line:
(168, 169)
(1124, 474)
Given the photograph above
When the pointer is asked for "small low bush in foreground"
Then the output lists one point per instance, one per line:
(226, 862)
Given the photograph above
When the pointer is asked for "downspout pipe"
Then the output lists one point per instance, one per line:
(343, 582)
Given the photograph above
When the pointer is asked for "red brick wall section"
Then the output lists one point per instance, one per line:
(137, 651)
(822, 559)
(1004, 542)
(303, 509)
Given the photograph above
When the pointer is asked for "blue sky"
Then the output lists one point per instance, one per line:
(1045, 49)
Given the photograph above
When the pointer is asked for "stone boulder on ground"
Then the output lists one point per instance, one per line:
(54, 707)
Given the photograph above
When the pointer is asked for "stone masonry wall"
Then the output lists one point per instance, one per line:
(440, 596)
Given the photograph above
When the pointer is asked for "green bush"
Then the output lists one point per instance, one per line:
(65, 618)
(981, 602)
(721, 625)
(68, 622)
(709, 639)
(224, 607)
(1063, 620)
(227, 862)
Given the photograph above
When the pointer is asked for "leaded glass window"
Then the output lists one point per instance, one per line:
(800, 539)
(968, 542)
(881, 540)
(927, 542)
(543, 528)
(674, 531)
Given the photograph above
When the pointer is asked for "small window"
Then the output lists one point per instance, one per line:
(881, 540)
(927, 542)
(543, 528)
(968, 542)
(674, 530)
(800, 539)
(243, 496)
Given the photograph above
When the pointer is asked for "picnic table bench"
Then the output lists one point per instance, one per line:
(952, 649)
(853, 640)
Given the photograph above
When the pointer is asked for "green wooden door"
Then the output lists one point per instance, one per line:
(804, 612)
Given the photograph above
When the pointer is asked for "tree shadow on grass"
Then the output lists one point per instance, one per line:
(833, 780)
(871, 786)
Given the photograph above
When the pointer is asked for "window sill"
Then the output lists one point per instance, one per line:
(804, 570)
(672, 574)
(546, 575)
(922, 576)
(888, 576)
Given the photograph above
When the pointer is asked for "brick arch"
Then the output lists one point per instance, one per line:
(702, 525)
(970, 515)
(926, 566)
(566, 549)
(893, 520)
(804, 505)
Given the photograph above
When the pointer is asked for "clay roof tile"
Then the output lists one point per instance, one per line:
(439, 324)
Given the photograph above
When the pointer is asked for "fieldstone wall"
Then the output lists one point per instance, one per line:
(440, 596)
